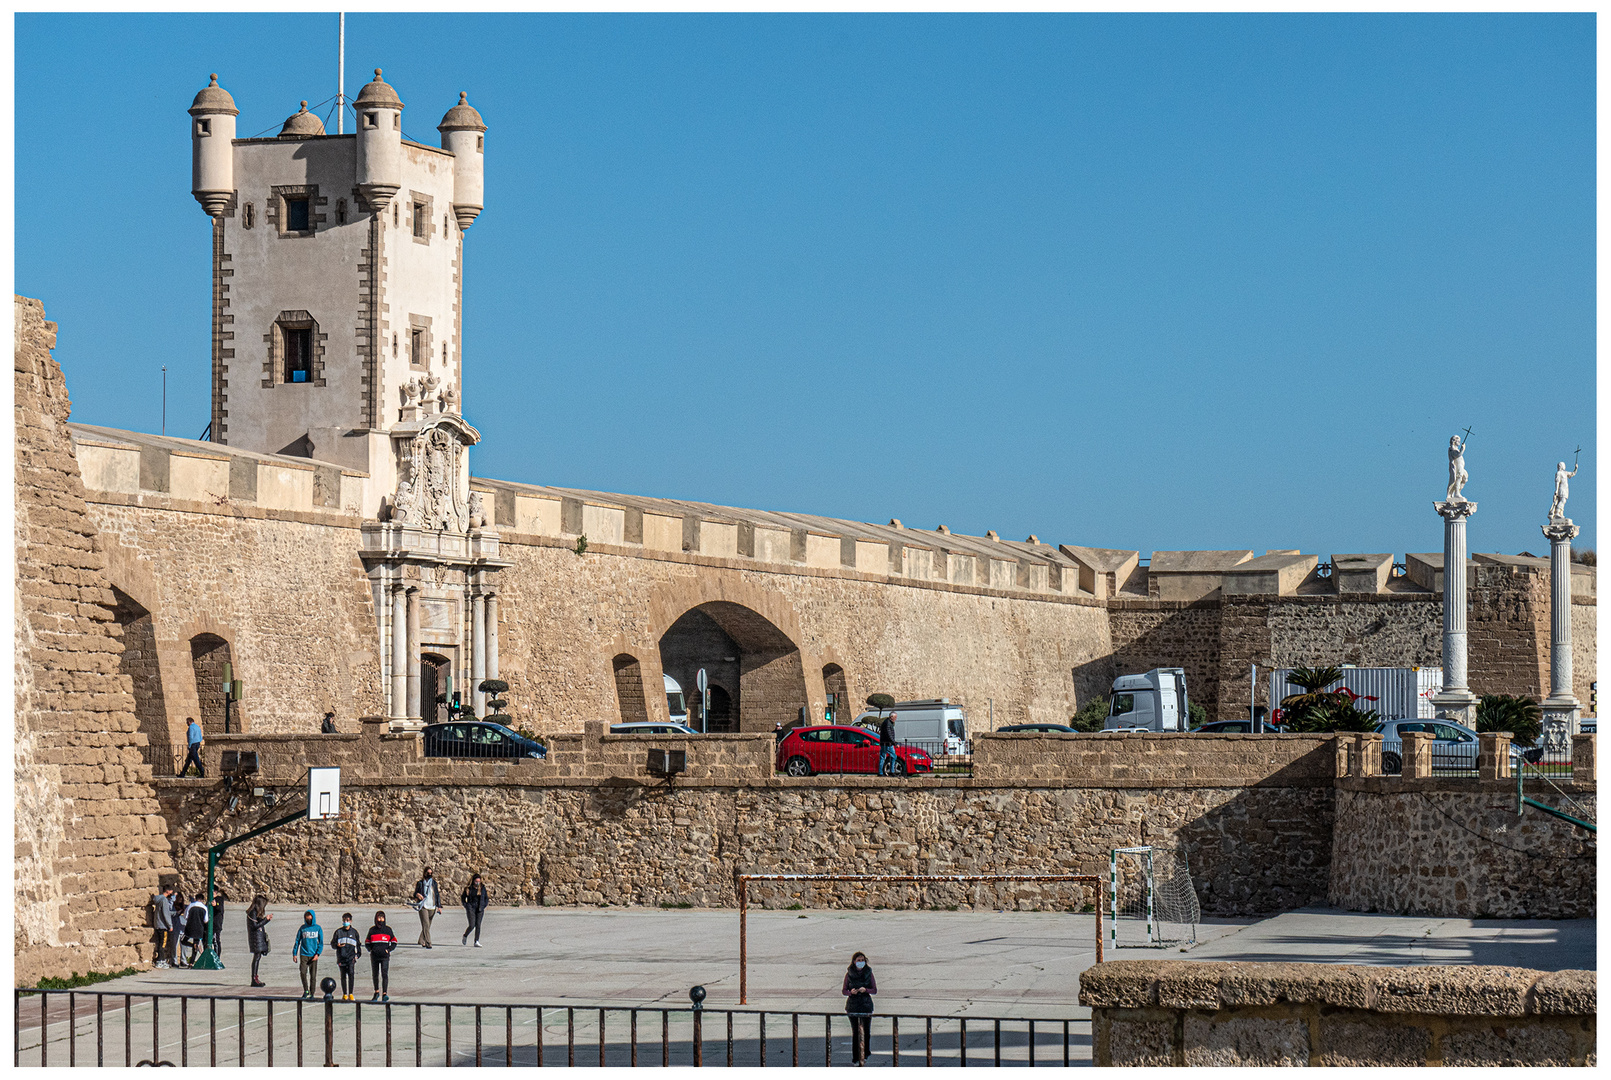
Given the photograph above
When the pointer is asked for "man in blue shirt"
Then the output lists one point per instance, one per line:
(309, 944)
(193, 737)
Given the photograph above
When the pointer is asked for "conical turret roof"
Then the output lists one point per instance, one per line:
(214, 99)
(377, 94)
(462, 117)
(301, 124)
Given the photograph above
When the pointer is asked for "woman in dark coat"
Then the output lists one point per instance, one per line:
(474, 898)
(859, 988)
(257, 939)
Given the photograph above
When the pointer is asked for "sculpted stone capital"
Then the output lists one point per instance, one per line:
(1560, 529)
(1455, 510)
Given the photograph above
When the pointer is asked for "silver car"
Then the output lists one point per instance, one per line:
(1454, 746)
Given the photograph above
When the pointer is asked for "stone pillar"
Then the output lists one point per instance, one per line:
(1493, 756)
(478, 651)
(492, 635)
(1370, 754)
(1455, 701)
(1582, 758)
(1417, 753)
(1560, 710)
(399, 630)
(413, 648)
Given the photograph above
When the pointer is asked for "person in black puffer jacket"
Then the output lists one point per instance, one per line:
(257, 939)
(859, 988)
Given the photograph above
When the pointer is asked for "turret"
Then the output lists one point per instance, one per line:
(380, 142)
(212, 151)
(462, 135)
(302, 125)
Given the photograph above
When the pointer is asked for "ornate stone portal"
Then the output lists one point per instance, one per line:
(432, 564)
(1455, 701)
(1560, 710)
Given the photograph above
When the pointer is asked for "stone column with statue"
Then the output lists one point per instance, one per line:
(1455, 701)
(1560, 711)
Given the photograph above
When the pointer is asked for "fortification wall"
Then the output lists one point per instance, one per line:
(89, 843)
(1458, 848)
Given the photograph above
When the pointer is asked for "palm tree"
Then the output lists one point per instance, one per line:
(1308, 711)
(1506, 712)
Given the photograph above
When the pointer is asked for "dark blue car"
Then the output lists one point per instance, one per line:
(479, 739)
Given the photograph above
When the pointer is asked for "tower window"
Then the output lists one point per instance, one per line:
(422, 222)
(444, 224)
(296, 215)
(371, 119)
(396, 215)
(416, 348)
(444, 354)
(248, 216)
(204, 127)
(394, 346)
(341, 211)
(298, 354)
(478, 139)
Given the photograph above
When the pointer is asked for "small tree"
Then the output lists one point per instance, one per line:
(1506, 712)
(495, 687)
(882, 702)
(1092, 715)
(1196, 715)
(1307, 711)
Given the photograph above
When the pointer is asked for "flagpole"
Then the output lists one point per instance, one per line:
(341, 75)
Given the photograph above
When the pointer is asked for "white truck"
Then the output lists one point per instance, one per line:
(933, 724)
(676, 705)
(1155, 701)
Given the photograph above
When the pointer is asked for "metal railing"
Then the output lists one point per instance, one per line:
(84, 1028)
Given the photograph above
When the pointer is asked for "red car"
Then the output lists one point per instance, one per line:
(831, 748)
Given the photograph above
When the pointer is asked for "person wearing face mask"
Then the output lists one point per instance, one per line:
(859, 988)
(309, 944)
(380, 941)
(347, 946)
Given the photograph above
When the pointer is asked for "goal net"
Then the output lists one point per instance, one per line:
(1152, 903)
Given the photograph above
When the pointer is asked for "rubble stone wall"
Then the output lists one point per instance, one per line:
(1189, 1013)
(89, 843)
(1457, 848)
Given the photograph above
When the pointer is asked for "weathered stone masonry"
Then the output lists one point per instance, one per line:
(89, 842)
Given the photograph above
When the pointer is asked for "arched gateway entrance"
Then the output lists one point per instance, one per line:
(756, 679)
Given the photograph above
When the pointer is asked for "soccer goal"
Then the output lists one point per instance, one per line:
(1151, 900)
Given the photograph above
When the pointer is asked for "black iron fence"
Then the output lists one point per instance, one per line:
(82, 1028)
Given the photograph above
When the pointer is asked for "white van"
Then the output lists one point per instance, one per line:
(675, 704)
(933, 724)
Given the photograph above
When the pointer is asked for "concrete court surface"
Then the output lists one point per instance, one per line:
(988, 963)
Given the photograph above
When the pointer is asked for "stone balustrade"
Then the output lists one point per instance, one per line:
(1194, 1013)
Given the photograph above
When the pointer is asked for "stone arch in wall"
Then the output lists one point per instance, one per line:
(746, 655)
(139, 662)
(837, 689)
(434, 672)
(629, 695)
(209, 653)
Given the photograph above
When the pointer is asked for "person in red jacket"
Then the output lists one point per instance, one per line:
(380, 941)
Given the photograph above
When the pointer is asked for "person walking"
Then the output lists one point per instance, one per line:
(380, 941)
(161, 924)
(257, 939)
(194, 740)
(195, 930)
(309, 944)
(888, 765)
(428, 901)
(859, 988)
(474, 898)
(347, 947)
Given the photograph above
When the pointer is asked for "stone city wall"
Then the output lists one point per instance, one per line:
(1458, 848)
(89, 842)
(1162, 759)
(624, 841)
(1194, 1013)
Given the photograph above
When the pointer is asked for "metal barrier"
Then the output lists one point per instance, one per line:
(76, 1027)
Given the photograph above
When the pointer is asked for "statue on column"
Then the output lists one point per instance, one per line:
(1457, 467)
(1557, 509)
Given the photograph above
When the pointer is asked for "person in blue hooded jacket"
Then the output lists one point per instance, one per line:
(309, 944)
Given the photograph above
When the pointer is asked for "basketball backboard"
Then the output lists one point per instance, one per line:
(324, 793)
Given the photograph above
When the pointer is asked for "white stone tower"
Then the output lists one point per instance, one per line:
(337, 280)
(337, 336)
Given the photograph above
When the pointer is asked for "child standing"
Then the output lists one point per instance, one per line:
(380, 941)
(346, 944)
(309, 944)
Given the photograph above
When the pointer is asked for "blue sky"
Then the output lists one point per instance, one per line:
(1147, 282)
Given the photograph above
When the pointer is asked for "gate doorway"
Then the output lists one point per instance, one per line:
(434, 671)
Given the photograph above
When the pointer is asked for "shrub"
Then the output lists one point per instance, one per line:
(881, 702)
(1092, 715)
(1506, 712)
(1196, 715)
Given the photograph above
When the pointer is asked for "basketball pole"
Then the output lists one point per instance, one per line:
(208, 960)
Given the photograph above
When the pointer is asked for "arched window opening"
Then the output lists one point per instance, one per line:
(210, 659)
(837, 709)
(139, 662)
(629, 688)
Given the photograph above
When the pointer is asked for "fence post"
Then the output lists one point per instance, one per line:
(1582, 759)
(1417, 754)
(329, 1034)
(1493, 755)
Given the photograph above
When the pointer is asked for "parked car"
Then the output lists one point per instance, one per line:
(479, 739)
(1454, 746)
(932, 723)
(837, 749)
(1045, 729)
(651, 727)
(1236, 727)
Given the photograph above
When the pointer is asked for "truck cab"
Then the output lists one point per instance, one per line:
(1154, 701)
(676, 705)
